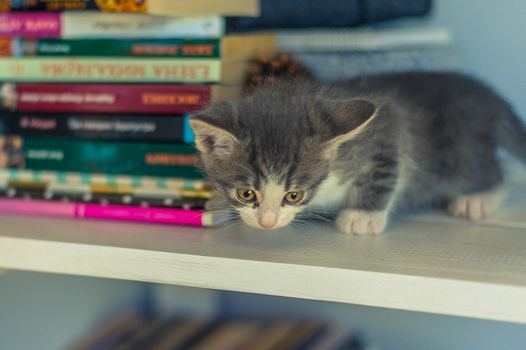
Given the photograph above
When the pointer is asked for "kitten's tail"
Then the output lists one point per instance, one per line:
(511, 134)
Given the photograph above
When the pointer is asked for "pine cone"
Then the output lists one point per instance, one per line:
(270, 68)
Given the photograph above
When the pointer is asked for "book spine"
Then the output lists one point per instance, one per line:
(53, 192)
(39, 208)
(98, 127)
(110, 70)
(141, 192)
(139, 214)
(71, 5)
(153, 7)
(112, 158)
(105, 98)
(181, 48)
(37, 24)
(76, 179)
(101, 212)
(88, 24)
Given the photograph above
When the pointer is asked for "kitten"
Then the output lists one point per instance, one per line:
(363, 148)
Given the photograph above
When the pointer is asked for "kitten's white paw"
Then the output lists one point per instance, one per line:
(361, 222)
(476, 206)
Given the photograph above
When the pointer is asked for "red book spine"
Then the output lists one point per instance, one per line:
(105, 98)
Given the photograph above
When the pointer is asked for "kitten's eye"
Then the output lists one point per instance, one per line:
(246, 195)
(293, 197)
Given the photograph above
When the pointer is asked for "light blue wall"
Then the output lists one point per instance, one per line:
(49, 312)
(492, 38)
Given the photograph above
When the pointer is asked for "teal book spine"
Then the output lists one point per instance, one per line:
(176, 48)
(112, 158)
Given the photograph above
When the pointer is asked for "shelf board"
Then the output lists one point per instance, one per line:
(423, 263)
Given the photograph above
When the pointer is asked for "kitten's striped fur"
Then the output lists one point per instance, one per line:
(364, 147)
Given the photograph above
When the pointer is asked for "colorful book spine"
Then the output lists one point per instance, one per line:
(98, 127)
(112, 158)
(106, 25)
(111, 98)
(46, 25)
(118, 190)
(76, 179)
(72, 5)
(114, 70)
(169, 47)
(153, 7)
(104, 189)
(143, 198)
(107, 212)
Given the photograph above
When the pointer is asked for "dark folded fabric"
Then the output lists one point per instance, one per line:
(327, 13)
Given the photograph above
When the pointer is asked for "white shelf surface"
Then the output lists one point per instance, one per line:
(423, 263)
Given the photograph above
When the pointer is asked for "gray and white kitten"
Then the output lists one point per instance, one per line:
(362, 148)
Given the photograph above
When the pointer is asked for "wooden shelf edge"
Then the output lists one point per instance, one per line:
(405, 292)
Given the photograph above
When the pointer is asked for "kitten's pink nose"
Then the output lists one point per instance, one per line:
(268, 219)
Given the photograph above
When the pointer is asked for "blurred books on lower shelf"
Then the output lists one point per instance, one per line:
(131, 331)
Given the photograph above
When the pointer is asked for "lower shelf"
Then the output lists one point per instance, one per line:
(422, 264)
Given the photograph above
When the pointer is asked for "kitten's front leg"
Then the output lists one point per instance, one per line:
(361, 221)
(370, 201)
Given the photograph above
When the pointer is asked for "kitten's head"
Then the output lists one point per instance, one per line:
(269, 152)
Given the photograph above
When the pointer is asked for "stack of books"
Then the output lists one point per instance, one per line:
(93, 104)
(131, 331)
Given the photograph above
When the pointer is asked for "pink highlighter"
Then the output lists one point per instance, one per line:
(107, 212)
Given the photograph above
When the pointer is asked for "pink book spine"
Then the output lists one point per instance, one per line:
(104, 212)
(140, 214)
(38, 208)
(30, 24)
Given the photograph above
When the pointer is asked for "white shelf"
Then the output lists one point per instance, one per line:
(446, 268)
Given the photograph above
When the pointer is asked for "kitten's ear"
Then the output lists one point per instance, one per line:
(212, 139)
(349, 118)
